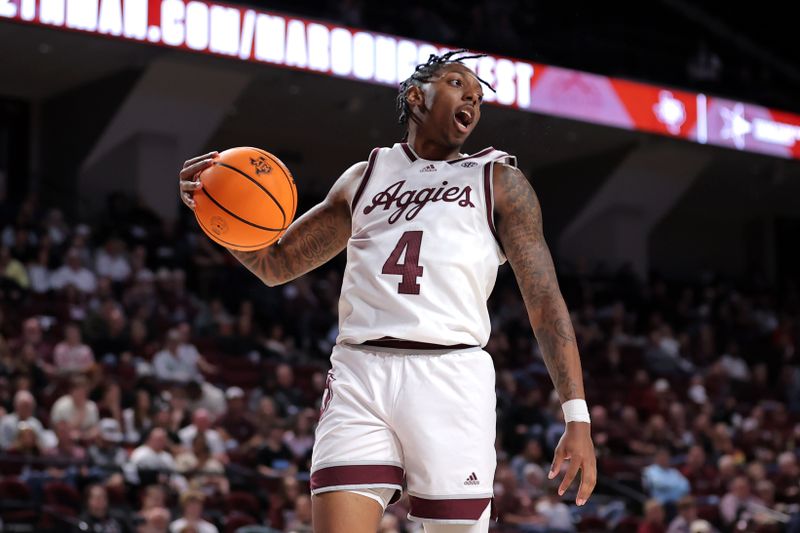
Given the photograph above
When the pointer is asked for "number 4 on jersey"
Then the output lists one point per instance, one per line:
(410, 269)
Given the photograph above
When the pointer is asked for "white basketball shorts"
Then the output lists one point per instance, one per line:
(429, 418)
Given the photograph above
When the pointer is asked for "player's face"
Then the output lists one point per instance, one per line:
(453, 100)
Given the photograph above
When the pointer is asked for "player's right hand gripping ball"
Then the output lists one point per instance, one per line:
(247, 200)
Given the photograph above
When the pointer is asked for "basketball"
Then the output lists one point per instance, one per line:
(247, 200)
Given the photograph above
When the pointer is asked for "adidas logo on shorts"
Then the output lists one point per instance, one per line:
(472, 480)
(429, 168)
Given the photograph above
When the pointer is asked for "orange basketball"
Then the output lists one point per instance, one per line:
(247, 200)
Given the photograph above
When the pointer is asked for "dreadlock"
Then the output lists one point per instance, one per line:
(424, 72)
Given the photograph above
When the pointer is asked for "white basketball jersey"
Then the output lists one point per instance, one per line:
(423, 256)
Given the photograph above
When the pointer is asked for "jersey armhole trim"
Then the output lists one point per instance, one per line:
(373, 156)
(488, 192)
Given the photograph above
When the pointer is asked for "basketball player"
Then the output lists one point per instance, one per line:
(411, 392)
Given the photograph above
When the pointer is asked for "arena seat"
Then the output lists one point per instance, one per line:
(244, 503)
(14, 495)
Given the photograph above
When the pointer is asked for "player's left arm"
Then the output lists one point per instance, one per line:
(518, 219)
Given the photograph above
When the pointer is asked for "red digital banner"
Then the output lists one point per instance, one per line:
(265, 37)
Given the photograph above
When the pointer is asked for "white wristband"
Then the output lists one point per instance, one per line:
(575, 411)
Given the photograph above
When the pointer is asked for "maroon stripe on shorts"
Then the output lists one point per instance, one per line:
(390, 342)
(335, 476)
(370, 167)
(466, 509)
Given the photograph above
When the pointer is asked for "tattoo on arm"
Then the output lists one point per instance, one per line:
(519, 227)
(311, 241)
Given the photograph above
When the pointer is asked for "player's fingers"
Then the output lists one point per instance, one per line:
(187, 199)
(191, 185)
(572, 471)
(588, 481)
(558, 458)
(188, 173)
(192, 161)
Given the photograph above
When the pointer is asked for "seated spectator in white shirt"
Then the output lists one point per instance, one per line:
(71, 355)
(111, 261)
(24, 407)
(107, 453)
(153, 462)
(739, 502)
(39, 271)
(74, 273)
(154, 454)
(180, 362)
(77, 410)
(207, 396)
(201, 423)
(192, 519)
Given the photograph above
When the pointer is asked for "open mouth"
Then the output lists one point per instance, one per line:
(463, 118)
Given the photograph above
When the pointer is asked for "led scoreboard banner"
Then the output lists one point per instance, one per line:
(247, 34)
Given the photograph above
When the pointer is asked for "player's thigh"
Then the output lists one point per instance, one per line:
(355, 448)
(345, 512)
(447, 431)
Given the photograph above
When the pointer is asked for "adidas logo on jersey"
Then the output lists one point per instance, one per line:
(472, 480)
(469, 164)
(429, 168)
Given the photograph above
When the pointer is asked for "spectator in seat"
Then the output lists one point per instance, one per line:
(39, 271)
(192, 505)
(33, 335)
(235, 424)
(12, 270)
(787, 482)
(180, 362)
(153, 460)
(287, 396)
(206, 396)
(76, 409)
(25, 443)
(554, 511)
(201, 425)
(653, 518)
(208, 474)
(111, 261)
(24, 407)
(137, 418)
(687, 513)
(703, 477)
(301, 521)
(72, 272)
(738, 503)
(97, 517)
(106, 454)
(153, 516)
(531, 454)
(263, 417)
(300, 438)
(69, 443)
(72, 355)
(275, 458)
(662, 482)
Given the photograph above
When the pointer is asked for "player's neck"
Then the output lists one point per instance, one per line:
(429, 149)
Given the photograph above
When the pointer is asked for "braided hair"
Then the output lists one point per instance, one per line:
(423, 73)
